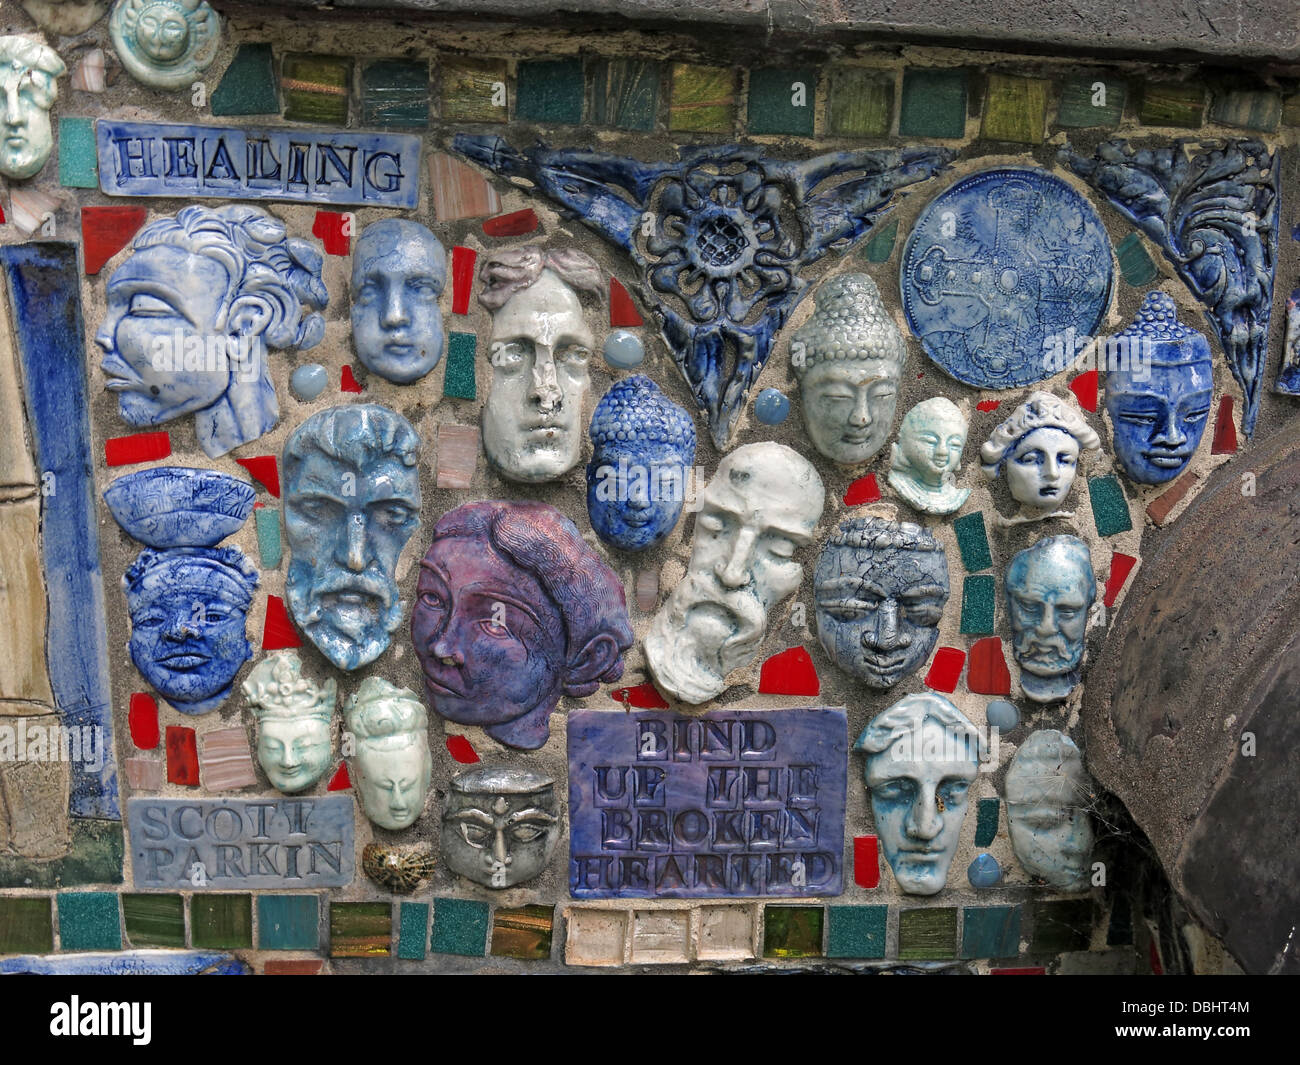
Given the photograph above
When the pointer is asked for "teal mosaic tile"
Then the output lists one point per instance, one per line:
(856, 931)
(1091, 101)
(986, 821)
(1109, 507)
(288, 922)
(1135, 265)
(248, 86)
(395, 94)
(460, 926)
(412, 926)
(268, 536)
(626, 93)
(933, 103)
(881, 245)
(973, 542)
(77, 166)
(89, 920)
(990, 932)
(977, 597)
(550, 90)
(782, 100)
(459, 382)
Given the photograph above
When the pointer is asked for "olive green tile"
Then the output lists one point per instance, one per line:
(360, 929)
(782, 100)
(625, 93)
(395, 94)
(1247, 110)
(1091, 101)
(1015, 109)
(930, 933)
(316, 88)
(933, 103)
(859, 103)
(95, 857)
(702, 99)
(474, 90)
(793, 931)
(1061, 926)
(221, 921)
(550, 91)
(26, 925)
(154, 920)
(1172, 103)
(523, 933)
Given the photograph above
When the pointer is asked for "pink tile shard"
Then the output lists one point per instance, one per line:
(459, 191)
(226, 762)
(457, 455)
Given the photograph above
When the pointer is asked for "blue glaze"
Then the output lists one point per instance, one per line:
(654, 814)
(997, 265)
(44, 282)
(182, 335)
(624, 350)
(165, 45)
(258, 163)
(1214, 214)
(643, 447)
(1050, 588)
(984, 871)
(1159, 404)
(1002, 715)
(732, 229)
(880, 588)
(351, 501)
(772, 406)
(309, 381)
(399, 270)
(1048, 794)
(128, 963)
(177, 506)
(188, 610)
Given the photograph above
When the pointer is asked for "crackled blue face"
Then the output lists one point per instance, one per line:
(1158, 422)
(635, 495)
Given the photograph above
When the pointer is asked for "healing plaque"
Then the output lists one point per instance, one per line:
(730, 803)
(1000, 270)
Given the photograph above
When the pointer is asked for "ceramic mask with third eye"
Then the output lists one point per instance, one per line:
(500, 825)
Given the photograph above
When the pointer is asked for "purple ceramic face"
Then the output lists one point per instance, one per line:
(490, 641)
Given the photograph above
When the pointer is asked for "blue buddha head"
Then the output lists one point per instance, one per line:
(643, 448)
(1158, 392)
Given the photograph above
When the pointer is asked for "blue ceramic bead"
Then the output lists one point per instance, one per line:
(1002, 715)
(772, 406)
(624, 350)
(984, 871)
(309, 381)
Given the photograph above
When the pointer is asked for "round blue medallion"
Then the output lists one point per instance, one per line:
(984, 871)
(1002, 276)
(772, 406)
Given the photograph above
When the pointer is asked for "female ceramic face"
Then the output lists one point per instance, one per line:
(933, 448)
(1041, 468)
(294, 752)
(392, 778)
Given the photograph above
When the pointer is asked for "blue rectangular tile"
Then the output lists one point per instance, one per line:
(288, 922)
(990, 932)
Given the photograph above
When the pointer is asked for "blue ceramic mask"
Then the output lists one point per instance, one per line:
(1159, 402)
(399, 270)
(644, 447)
(351, 502)
(1050, 588)
(1048, 793)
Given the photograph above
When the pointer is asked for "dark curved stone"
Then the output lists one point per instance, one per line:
(1206, 649)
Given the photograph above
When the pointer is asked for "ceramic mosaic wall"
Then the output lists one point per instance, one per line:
(490, 499)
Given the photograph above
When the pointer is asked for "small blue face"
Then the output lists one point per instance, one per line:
(635, 497)
(1158, 423)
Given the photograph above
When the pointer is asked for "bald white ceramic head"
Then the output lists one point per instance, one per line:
(925, 461)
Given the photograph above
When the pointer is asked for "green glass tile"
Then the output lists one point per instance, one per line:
(927, 934)
(977, 595)
(703, 99)
(88, 920)
(154, 920)
(95, 857)
(1061, 926)
(77, 166)
(221, 921)
(1091, 102)
(412, 928)
(268, 536)
(990, 932)
(973, 542)
(360, 929)
(1135, 265)
(792, 931)
(986, 821)
(460, 926)
(474, 90)
(881, 245)
(859, 103)
(288, 922)
(458, 381)
(933, 104)
(523, 933)
(550, 90)
(782, 100)
(1291, 110)
(1015, 109)
(248, 85)
(1109, 507)
(1247, 110)
(316, 88)
(856, 931)
(395, 94)
(626, 93)
(1171, 103)
(26, 926)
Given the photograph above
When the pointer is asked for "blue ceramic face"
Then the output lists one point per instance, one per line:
(635, 496)
(1049, 590)
(1158, 422)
